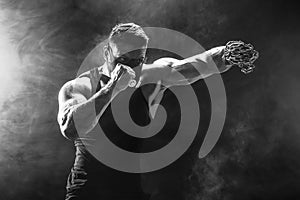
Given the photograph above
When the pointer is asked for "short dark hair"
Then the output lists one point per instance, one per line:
(128, 32)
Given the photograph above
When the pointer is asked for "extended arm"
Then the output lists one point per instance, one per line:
(182, 72)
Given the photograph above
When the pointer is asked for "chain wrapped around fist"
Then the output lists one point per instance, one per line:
(238, 53)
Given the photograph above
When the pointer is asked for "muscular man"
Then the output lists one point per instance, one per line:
(94, 91)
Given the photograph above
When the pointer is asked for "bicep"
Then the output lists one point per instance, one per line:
(69, 96)
(68, 99)
(175, 72)
(158, 71)
(184, 72)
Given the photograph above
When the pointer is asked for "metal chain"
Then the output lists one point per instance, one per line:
(240, 54)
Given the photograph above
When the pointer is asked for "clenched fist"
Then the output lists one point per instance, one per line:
(123, 75)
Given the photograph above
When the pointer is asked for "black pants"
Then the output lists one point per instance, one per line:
(84, 186)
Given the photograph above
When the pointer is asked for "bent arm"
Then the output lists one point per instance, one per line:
(78, 114)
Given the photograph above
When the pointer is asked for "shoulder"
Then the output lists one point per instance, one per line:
(80, 85)
(72, 90)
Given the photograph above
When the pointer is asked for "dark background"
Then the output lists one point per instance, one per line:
(257, 156)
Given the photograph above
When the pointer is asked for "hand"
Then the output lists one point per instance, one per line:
(217, 54)
(123, 76)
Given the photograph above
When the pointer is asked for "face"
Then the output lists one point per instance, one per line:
(128, 55)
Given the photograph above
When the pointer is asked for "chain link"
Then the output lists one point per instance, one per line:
(240, 54)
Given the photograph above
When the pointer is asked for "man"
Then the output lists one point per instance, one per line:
(95, 90)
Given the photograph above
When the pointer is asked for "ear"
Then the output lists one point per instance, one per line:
(106, 53)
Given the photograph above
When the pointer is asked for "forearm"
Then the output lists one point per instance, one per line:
(209, 62)
(197, 67)
(84, 116)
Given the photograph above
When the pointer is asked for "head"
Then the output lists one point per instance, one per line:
(127, 44)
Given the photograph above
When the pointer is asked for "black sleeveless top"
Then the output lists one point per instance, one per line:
(89, 178)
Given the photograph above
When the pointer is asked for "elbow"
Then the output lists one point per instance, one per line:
(67, 128)
(69, 133)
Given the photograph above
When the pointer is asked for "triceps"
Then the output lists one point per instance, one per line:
(184, 73)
